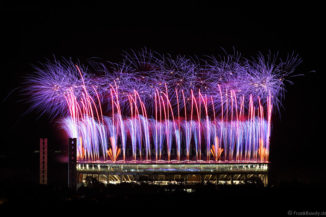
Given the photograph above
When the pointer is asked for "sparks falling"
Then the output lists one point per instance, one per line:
(159, 108)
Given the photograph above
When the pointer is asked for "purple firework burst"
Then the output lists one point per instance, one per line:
(147, 72)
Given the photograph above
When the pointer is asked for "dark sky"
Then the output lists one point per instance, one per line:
(31, 33)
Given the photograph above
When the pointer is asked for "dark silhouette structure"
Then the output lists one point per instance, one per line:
(72, 173)
(43, 161)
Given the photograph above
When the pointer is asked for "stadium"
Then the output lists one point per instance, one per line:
(163, 119)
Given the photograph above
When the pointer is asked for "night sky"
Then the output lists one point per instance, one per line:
(31, 33)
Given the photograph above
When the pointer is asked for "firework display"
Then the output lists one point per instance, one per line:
(160, 108)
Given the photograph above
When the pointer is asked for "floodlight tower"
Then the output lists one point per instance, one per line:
(72, 155)
(43, 161)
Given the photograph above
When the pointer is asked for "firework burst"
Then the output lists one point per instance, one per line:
(220, 106)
